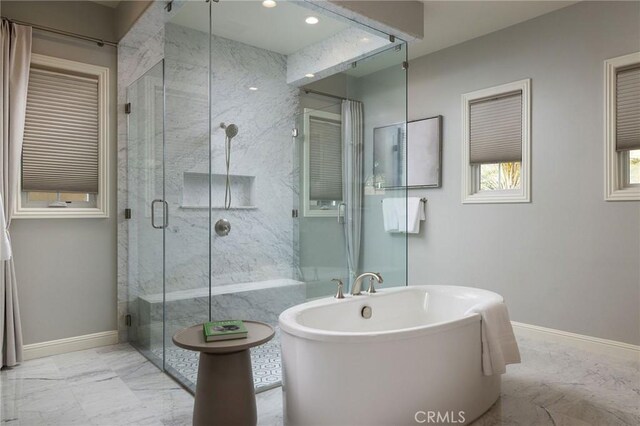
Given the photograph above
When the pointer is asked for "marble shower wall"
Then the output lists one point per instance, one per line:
(259, 246)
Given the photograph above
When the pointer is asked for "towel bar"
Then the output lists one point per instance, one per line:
(423, 200)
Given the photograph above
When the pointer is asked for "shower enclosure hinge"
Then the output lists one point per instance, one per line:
(127, 320)
(294, 213)
(294, 133)
(392, 38)
(127, 213)
(127, 108)
(405, 65)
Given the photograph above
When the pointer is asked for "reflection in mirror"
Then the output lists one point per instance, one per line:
(408, 158)
(389, 153)
(424, 161)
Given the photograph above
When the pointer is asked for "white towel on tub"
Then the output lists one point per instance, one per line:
(499, 346)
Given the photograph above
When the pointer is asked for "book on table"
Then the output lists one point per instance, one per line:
(224, 330)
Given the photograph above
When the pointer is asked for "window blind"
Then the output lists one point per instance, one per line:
(60, 148)
(628, 109)
(325, 160)
(495, 129)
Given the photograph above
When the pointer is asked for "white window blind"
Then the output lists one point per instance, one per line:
(60, 148)
(325, 159)
(628, 109)
(495, 129)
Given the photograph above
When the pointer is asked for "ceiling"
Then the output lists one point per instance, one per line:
(281, 29)
(448, 23)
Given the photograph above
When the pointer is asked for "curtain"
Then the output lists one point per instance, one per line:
(352, 177)
(15, 57)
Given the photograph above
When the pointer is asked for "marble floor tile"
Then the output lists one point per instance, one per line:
(555, 385)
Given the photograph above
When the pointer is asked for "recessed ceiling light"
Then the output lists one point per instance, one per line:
(253, 88)
(364, 39)
(310, 75)
(311, 20)
(269, 3)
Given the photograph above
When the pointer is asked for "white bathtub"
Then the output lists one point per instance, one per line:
(417, 360)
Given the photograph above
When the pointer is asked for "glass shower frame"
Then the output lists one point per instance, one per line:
(167, 213)
(145, 176)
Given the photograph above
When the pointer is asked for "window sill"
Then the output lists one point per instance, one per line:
(630, 193)
(60, 213)
(496, 197)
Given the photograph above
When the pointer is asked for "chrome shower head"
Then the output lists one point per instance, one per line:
(231, 131)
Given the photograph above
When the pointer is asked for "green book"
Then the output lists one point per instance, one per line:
(224, 330)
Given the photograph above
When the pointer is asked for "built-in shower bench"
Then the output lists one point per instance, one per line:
(258, 300)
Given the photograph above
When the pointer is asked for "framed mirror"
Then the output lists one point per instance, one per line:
(423, 161)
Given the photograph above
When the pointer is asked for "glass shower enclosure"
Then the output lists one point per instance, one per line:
(250, 171)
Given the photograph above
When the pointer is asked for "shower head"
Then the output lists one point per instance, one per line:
(231, 131)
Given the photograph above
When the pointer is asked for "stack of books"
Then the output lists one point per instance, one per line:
(224, 330)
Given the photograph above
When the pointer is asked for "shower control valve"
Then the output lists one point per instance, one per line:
(222, 227)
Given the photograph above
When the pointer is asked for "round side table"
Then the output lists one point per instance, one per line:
(224, 393)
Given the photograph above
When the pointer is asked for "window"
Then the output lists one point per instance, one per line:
(622, 128)
(322, 163)
(496, 144)
(634, 167)
(64, 154)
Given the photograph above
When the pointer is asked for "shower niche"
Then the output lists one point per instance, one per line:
(196, 194)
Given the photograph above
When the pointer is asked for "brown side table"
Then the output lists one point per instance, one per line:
(224, 393)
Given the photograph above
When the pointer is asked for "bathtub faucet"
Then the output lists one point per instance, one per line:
(357, 284)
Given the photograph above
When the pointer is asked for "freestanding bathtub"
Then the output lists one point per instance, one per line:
(416, 360)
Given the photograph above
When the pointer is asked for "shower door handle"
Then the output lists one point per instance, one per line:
(165, 214)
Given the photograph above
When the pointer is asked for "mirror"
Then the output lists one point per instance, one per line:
(423, 161)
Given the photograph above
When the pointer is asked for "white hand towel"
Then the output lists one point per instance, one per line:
(5, 244)
(499, 346)
(415, 213)
(390, 216)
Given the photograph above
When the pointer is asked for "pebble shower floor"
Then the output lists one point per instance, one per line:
(265, 360)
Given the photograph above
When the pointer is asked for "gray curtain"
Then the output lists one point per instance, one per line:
(15, 57)
(352, 177)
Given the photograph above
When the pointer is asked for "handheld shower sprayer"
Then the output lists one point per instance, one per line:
(230, 131)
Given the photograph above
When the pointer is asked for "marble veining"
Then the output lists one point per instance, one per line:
(555, 385)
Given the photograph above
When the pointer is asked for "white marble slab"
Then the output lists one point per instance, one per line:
(554, 385)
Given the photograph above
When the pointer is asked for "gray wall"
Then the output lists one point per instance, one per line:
(66, 268)
(126, 15)
(568, 260)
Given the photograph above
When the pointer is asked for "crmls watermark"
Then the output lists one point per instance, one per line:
(440, 417)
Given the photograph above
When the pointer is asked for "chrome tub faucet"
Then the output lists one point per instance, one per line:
(357, 284)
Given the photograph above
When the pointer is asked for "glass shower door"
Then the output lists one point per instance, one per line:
(146, 213)
(187, 181)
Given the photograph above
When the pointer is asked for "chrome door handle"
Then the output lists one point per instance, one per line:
(165, 218)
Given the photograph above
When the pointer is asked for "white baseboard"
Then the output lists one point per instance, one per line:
(588, 343)
(70, 344)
